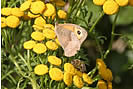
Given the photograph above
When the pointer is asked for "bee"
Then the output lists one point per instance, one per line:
(78, 64)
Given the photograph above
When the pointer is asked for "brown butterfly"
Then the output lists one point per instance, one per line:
(70, 36)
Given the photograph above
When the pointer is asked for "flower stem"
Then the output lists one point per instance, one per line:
(112, 37)
(93, 26)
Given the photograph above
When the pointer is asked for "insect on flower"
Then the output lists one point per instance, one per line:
(78, 64)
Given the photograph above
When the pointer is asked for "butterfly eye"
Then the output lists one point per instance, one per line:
(78, 33)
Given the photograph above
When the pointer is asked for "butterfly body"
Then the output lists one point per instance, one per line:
(71, 37)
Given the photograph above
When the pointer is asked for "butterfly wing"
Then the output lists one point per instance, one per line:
(84, 34)
(68, 40)
(73, 46)
(63, 35)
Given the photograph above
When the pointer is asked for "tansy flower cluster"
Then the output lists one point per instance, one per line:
(112, 6)
(69, 75)
(11, 17)
(105, 74)
(31, 9)
(42, 39)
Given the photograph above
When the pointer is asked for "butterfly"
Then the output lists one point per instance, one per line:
(70, 36)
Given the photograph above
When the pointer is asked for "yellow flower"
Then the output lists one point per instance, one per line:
(54, 60)
(51, 45)
(108, 75)
(56, 74)
(36, 27)
(48, 33)
(37, 36)
(57, 41)
(102, 72)
(87, 79)
(6, 11)
(37, 7)
(122, 2)
(32, 15)
(100, 63)
(39, 48)
(50, 10)
(69, 68)
(39, 21)
(78, 81)
(67, 78)
(109, 85)
(62, 14)
(49, 26)
(78, 73)
(58, 2)
(29, 44)
(130, 2)
(101, 84)
(17, 12)
(3, 22)
(99, 2)
(12, 21)
(41, 69)
(110, 7)
(25, 5)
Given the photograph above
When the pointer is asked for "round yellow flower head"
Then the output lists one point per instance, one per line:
(6, 11)
(3, 22)
(25, 6)
(100, 63)
(67, 78)
(102, 72)
(37, 28)
(99, 2)
(49, 26)
(110, 7)
(12, 21)
(130, 2)
(59, 2)
(62, 14)
(109, 85)
(37, 36)
(108, 75)
(37, 7)
(41, 69)
(78, 81)
(48, 33)
(50, 10)
(39, 48)
(17, 12)
(39, 21)
(80, 74)
(56, 74)
(51, 45)
(54, 60)
(87, 79)
(57, 41)
(101, 84)
(122, 2)
(29, 44)
(68, 67)
(32, 15)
